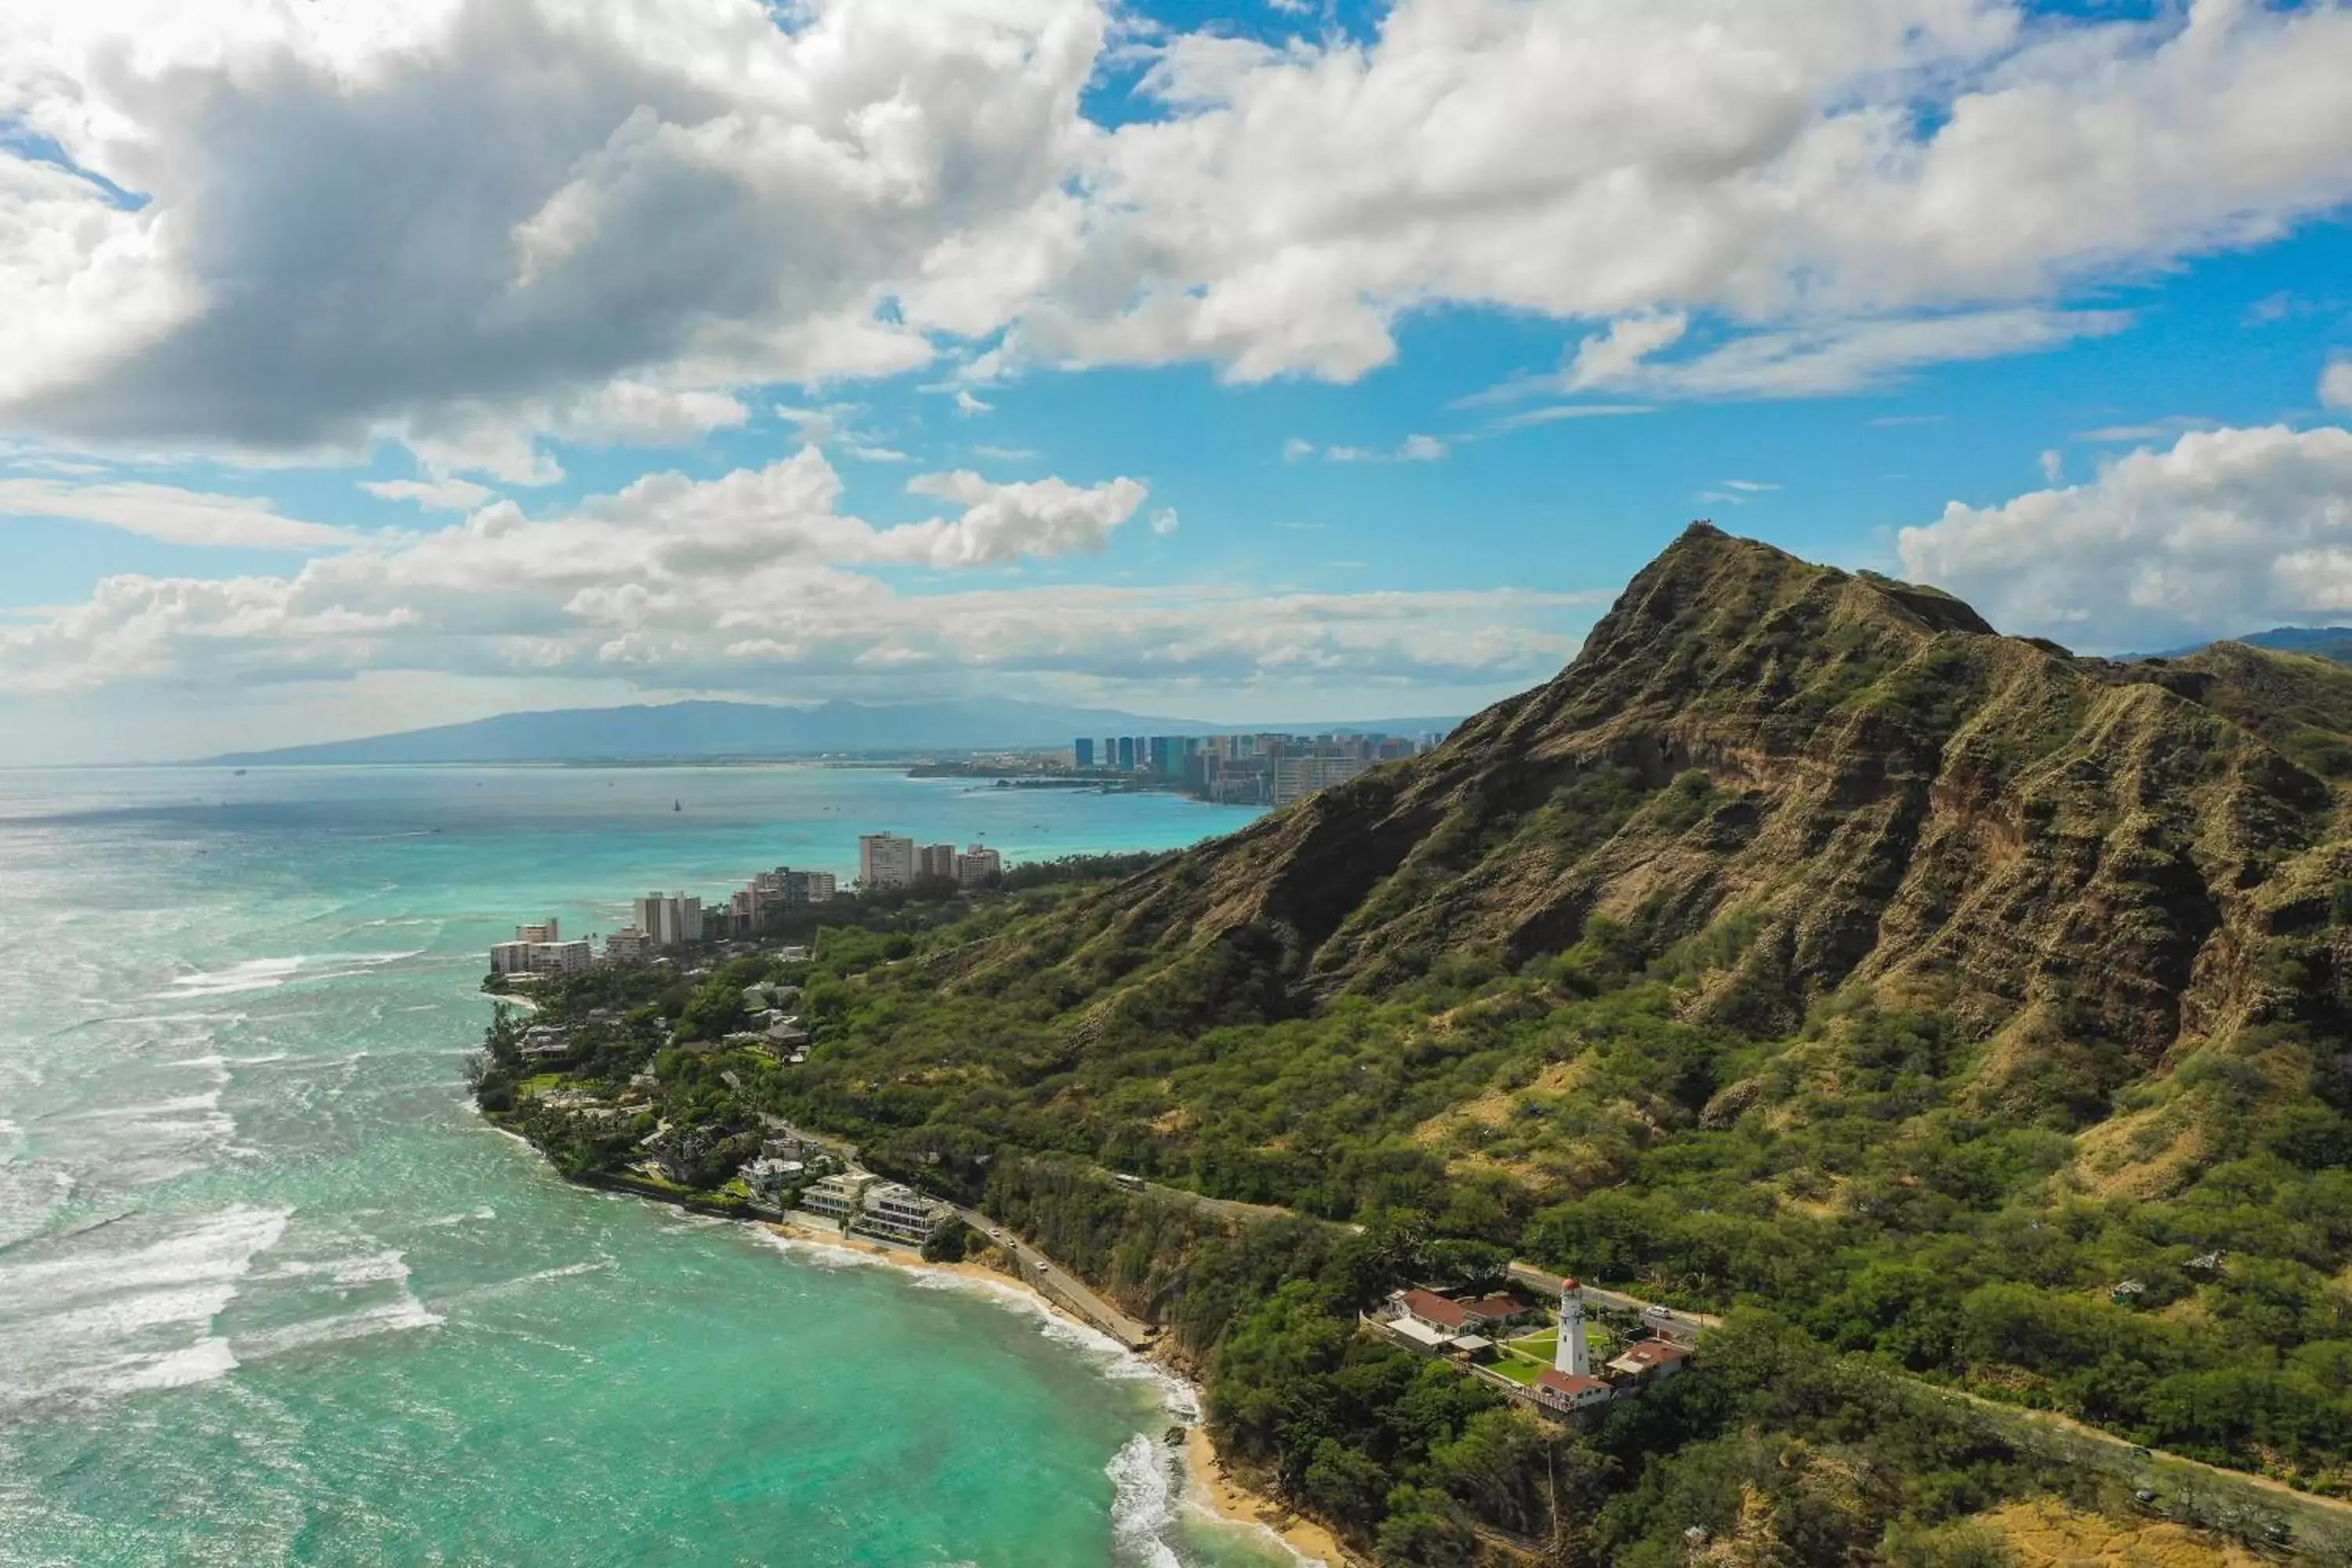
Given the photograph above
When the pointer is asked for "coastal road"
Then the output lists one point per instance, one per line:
(1044, 1274)
(1224, 1208)
(1674, 1324)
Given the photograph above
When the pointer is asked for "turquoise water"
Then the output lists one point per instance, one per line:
(270, 1293)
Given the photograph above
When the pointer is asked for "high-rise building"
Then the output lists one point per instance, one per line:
(809, 887)
(936, 860)
(884, 860)
(1126, 753)
(628, 945)
(547, 929)
(672, 922)
(1082, 753)
(978, 865)
(1298, 776)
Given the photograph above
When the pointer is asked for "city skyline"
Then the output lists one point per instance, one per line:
(1228, 364)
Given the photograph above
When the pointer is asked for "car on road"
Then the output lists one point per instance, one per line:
(1657, 1311)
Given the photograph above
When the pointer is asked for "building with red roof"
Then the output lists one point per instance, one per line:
(1650, 1360)
(1429, 1307)
(1571, 1391)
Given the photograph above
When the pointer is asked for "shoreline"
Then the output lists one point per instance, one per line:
(1213, 1491)
(1208, 1486)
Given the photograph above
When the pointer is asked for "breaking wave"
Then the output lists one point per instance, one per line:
(135, 1318)
(270, 974)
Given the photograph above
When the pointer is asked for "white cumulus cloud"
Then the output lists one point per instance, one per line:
(2227, 531)
(447, 216)
(1793, 163)
(434, 495)
(471, 223)
(2336, 382)
(170, 513)
(758, 579)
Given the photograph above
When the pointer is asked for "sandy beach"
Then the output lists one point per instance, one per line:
(1215, 1489)
(915, 1262)
(1212, 1488)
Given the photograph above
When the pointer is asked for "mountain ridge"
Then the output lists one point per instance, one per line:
(1849, 742)
(2331, 643)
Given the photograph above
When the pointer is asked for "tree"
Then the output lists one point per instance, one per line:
(949, 1243)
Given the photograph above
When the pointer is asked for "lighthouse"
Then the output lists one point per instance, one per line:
(1572, 1358)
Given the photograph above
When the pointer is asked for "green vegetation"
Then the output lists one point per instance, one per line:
(1941, 1008)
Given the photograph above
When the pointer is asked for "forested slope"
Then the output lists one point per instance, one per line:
(1941, 1005)
(1805, 942)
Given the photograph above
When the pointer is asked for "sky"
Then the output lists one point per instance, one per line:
(373, 364)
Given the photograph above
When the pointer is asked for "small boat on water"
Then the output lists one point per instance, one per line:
(678, 805)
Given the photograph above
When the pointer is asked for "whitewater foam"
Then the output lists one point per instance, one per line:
(99, 1319)
(1146, 1484)
(392, 1316)
(270, 974)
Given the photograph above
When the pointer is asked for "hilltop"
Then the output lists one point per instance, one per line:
(1843, 784)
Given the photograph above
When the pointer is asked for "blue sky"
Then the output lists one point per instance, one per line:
(1240, 361)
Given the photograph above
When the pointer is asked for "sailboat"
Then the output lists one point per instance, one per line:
(677, 805)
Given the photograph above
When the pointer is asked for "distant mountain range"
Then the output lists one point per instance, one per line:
(688, 730)
(2320, 642)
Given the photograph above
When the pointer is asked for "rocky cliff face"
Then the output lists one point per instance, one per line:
(1834, 782)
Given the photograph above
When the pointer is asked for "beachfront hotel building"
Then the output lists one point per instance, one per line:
(977, 866)
(884, 860)
(900, 1214)
(862, 1203)
(838, 1197)
(541, 957)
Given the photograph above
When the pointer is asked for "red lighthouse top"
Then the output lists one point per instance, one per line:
(1568, 1284)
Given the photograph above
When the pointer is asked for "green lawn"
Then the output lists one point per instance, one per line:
(1519, 1369)
(539, 1083)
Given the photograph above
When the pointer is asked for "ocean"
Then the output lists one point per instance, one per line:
(271, 1293)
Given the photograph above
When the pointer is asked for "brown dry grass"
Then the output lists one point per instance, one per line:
(2048, 1534)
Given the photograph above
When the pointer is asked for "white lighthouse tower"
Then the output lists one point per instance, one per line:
(1572, 1357)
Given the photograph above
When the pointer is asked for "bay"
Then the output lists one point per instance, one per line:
(269, 1292)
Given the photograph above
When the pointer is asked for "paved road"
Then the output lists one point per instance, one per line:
(1043, 1273)
(1225, 1208)
(1673, 1322)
